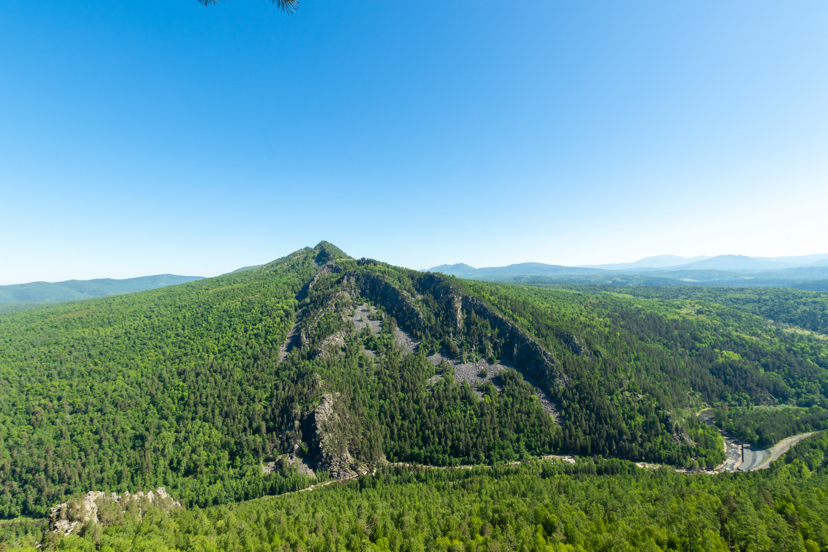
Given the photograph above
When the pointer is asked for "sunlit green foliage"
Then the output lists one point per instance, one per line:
(670, 348)
(639, 363)
(801, 309)
(595, 505)
(168, 387)
(184, 387)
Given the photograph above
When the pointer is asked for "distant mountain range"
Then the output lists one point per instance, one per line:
(809, 272)
(803, 272)
(523, 269)
(720, 262)
(659, 261)
(45, 292)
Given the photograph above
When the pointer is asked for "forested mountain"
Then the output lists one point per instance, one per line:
(70, 290)
(719, 262)
(516, 270)
(816, 285)
(743, 262)
(800, 310)
(234, 387)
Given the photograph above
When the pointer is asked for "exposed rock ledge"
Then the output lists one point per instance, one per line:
(524, 353)
(287, 462)
(329, 446)
(70, 516)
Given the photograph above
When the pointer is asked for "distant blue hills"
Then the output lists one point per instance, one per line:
(721, 262)
(809, 272)
(70, 290)
(659, 261)
(804, 272)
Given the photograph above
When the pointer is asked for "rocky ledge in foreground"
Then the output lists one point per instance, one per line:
(72, 515)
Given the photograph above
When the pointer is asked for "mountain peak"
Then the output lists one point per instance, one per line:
(453, 269)
(327, 251)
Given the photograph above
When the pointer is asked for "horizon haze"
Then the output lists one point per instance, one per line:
(659, 262)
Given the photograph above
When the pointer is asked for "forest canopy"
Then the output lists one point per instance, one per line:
(344, 365)
(594, 505)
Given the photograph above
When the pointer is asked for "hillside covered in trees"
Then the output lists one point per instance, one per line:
(594, 505)
(321, 366)
(801, 310)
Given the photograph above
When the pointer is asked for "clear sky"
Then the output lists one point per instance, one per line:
(164, 137)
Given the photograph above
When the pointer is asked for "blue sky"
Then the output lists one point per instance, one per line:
(164, 137)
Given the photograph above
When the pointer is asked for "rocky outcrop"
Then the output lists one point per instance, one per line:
(288, 463)
(574, 343)
(445, 295)
(332, 346)
(330, 433)
(518, 348)
(70, 516)
(523, 352)
(444, 311)
(320, 272)
(396, 302)
(291, 341)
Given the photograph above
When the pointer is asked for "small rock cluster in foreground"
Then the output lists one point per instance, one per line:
(69, 517)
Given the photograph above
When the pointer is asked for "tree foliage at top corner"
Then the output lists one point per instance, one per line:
(287, 6)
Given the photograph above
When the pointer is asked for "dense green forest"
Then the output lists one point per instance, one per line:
(817, 285)
(675, 350)
(197, 387)
(17, 306)
(166, 387)
(806, 310)
(594, 505)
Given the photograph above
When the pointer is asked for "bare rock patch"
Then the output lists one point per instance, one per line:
(365, 316)
(73, 514)
(288, 462)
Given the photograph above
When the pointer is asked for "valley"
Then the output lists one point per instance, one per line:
(319, 368)
(745, 457)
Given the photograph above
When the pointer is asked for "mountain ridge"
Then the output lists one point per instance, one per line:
(72, 290)
(343, 365)
(657, 261)
(665, 262)
(743, 271)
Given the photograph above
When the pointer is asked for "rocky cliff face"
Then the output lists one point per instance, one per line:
(574, 343)
(427, 306)
(396, 302)
(523, 351)
(329, 442)
(518, 347)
